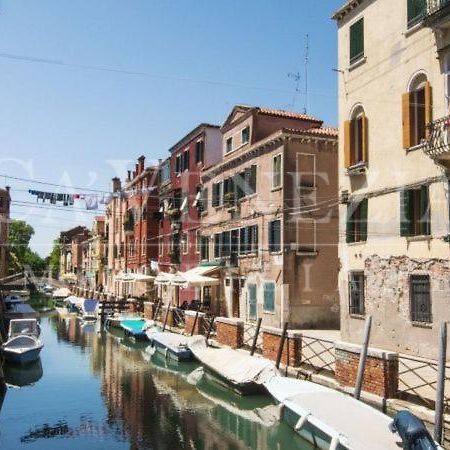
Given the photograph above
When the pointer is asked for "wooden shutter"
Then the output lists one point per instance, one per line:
(253, 178)
(363, 219)
(425, 210)
(405, 212)
(347, 144)
(428, 107)
(350, 233)
(406, 120)
(365, 138)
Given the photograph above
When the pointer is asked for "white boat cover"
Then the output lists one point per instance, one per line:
(61, 292)
(235, 366)
(175, 341)
(359, 426)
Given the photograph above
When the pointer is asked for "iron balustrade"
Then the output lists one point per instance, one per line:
(437, 144)
(317, 355)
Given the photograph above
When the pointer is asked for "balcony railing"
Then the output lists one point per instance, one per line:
(437, 145)
(436, 10)
(434, 6)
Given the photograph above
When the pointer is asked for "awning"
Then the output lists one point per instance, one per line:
(194, 279)
(164, 278)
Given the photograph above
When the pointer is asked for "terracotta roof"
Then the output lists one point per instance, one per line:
(287, 114)
(325, 131)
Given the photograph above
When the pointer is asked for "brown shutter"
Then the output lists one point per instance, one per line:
(406, 119)
(365, 138)
(347, 145)
(428, 106)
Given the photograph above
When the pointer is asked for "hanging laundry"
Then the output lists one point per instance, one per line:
(91, 202)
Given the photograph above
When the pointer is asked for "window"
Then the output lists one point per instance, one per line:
(204, 199)
(276, 171)
(252, 179)
(269, 296)
(415, 212)
(275, 236)
(416, 111)
(226, 242)
(252, 301)
(164, 172)
(306, 170)
(420, 298)
(245, 135)
(204, 248)
(357, 41)
(217, 245)
(197, 241)
(144, 246)
(248, 240)
(178, 164)
(216, 194)
(416, 11)
(229, 145)
(357, 221)
(229, 197)
(161, 246)
(356, 284)
(355, 139)
(184, 243)
(199, 151)
(185, 161)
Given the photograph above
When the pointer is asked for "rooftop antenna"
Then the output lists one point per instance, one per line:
(297, 78)
(305, 108)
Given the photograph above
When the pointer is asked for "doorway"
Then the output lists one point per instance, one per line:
(235, 297)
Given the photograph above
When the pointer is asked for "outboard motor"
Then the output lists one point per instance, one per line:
(413, 432)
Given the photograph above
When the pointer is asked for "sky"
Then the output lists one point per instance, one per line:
(88, 86)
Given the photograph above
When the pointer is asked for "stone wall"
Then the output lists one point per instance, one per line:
(381, 371)
(230, 332)
(291, 354)
(192, 324)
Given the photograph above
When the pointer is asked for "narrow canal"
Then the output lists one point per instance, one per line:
(93, 389)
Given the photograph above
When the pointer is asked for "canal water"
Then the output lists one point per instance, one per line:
(94, 389)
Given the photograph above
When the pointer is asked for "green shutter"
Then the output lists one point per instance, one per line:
(350, 226)
(416, 11)
(252, 301)
(357, 40)
(363, 219)
(269, 297)
(424, 211)
(405, 212)
(253, 179)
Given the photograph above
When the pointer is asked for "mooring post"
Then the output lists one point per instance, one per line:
(167, 316)
(362, 358)
(211, 324)
(440, 387)
(281, 345)
(156, 310)
(255, 337)
(195, 320)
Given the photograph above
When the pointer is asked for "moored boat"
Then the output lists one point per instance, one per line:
(89, 309)
(175, 346)
(136, 327)
(330, 419)
(23, 345)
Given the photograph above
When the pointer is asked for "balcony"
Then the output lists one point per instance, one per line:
(437, 13)
(437, 145)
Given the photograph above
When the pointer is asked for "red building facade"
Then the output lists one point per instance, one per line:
(180, 195)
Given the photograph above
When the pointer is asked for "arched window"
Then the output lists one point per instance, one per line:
(356, 133)
(416, 111)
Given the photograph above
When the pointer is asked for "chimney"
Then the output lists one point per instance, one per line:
(141, 161)
(116, 184)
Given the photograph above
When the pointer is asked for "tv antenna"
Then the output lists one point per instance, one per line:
(305, 108)
(297, 78)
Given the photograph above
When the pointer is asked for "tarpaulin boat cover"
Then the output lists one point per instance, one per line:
(235, 366)
(175, 342)
(90, 305)
(359, 426)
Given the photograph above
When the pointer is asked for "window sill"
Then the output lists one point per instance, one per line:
(358, 316)
(235, 149)
(355, 244)
(413, 28)
(247, 256)
(277, 188)
(247, 197)
(422, 324)
(359, 62)
(272, 313)
(275, 253)
(419, 238)
(306, 253)
(356, 169)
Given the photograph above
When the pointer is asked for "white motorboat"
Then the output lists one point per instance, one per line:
(89, 309)
(23, 345)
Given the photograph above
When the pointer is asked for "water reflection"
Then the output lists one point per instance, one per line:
(147, 402)
(20, 376)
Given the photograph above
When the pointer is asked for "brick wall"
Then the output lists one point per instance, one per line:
(166, 311)
(189, 322)
(148, 310)
(230, 332)
(381, 371)
(291, 350)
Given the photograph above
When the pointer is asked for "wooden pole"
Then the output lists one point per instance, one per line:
(167, 316)
(440, 387)
(156, 310)
(195, 320)
(362, 358)
(211, 324)
(280, 347)
(255, 337)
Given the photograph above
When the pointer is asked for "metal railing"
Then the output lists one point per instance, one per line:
(318, 355)
(438, 142)
(250, 329)
(417, 381)
(435, 6)
(209, 326)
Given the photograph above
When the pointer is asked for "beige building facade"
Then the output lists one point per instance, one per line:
(393, 69)
(262, 224)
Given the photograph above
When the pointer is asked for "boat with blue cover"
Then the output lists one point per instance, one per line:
(136, 327)
(89, 309)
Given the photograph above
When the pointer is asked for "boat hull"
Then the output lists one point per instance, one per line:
(25, 357)
(181, 355)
